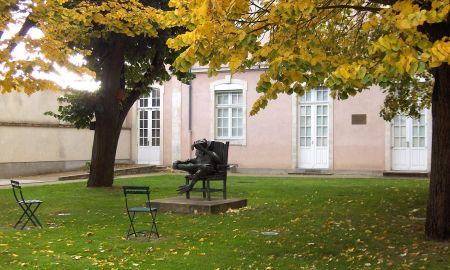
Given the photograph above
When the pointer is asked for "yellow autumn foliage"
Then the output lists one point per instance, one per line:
(63, 23)
(314, 42)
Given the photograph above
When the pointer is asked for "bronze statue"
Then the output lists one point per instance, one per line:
(202, 165)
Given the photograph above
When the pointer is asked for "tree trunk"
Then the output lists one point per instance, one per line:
(108, 117)
(437, 225)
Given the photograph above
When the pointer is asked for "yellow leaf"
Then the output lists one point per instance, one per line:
(235, 62)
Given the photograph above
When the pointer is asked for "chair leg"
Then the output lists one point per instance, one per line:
(131, 227)
(21, 217)
(29, 212)
(154, 229)
(32, 216)
(225, 189)
(188, 193)
(204, 189)
(208, 188)
(35, 217)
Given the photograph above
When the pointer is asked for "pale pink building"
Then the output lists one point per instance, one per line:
(293, 134)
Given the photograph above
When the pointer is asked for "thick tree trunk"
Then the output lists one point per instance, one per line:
(438, 211)
(109, 117)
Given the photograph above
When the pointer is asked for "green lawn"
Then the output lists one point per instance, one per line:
(321, 224)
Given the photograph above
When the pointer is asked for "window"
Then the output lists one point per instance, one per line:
(150, 106)
(143, 128)
(418, 131)
(314, 118)
(319, 94)
(229, 115)
(229, 97)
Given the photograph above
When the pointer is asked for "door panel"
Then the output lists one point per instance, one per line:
(314, 130)
(306, 139)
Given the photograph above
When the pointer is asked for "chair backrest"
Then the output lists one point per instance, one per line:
(136, 190)
(17, 191)
(221, 149)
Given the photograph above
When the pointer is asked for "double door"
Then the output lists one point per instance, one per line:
(314, 130)
(149, 129)
(409, 143)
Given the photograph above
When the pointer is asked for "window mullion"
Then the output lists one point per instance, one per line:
(230, 119)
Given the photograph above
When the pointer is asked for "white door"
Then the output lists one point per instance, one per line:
(409, 143)
(149, 134)
(314, 122)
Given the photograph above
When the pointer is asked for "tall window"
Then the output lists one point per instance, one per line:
(229, 114)
(228, 110)
(150, 129)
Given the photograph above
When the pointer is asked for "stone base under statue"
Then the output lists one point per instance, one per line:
(197, 205)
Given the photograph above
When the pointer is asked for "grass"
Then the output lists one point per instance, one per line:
(321, 224)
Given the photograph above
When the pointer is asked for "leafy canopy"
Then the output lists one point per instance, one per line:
(74, 27)
(346, 46)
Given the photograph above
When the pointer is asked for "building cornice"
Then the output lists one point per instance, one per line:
(225, 69)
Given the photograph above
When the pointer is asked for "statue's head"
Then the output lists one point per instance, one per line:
(203, 142)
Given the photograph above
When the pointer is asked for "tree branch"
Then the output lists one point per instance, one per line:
(384, 2)
(22, 32)
(359, 8)
(259, 28)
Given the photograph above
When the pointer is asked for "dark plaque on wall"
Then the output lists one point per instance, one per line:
(359, 119)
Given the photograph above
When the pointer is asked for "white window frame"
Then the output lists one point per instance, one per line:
(295, 153)
(228, 85)
(135, 147)
(150, 108)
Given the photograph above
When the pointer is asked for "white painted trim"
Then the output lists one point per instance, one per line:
(228, 84)
(428, 146)
(134, 141)
(135, 127)
(387, 146)
(294, 130)
(330, 132)
(429, 121)
(176, 120)
(161, 123)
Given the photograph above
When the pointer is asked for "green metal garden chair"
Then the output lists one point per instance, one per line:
(29, 207)
(146, 209)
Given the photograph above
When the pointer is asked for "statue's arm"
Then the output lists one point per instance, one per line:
(186, 161)
(214, 156)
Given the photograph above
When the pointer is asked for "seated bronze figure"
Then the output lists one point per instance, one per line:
(203, 165)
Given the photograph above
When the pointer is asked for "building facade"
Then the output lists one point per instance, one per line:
(293, 134)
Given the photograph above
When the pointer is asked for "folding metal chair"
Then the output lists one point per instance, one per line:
(29, 207)
(131, 211)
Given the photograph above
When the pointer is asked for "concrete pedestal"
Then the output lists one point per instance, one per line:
(196, 205)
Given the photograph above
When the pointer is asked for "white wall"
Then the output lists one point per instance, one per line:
(28, 136)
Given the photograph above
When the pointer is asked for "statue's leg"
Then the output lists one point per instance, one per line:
(189, 167)
(204, 170)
